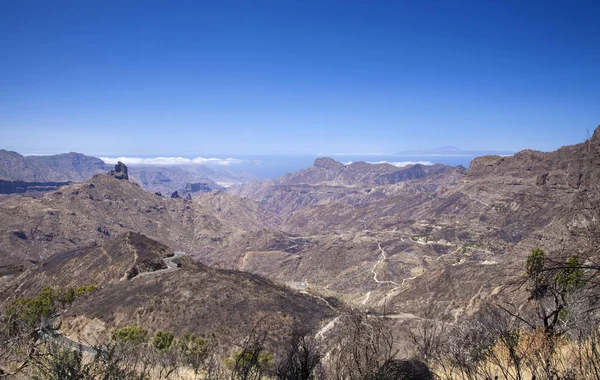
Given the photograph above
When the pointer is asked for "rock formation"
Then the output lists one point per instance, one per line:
(120, 171)
(196, 187)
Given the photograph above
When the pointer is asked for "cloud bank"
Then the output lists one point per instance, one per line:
(169, 161)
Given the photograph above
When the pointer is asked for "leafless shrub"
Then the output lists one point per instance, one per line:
(361, 348)
(252, 360)
(302, 360)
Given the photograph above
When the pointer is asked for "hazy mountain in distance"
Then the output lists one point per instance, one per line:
(53, 168)
(24, 187)
(328, 180)
(168, 179)
(34, 174)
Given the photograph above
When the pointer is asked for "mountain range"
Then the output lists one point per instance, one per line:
(303, 246)
(35, 174)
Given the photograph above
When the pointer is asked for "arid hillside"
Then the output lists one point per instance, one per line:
(383, 239)
(94, 211)
(135, 286)
(455, 236)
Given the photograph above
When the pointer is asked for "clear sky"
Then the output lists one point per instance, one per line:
(197, 78)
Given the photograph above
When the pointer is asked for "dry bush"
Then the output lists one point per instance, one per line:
(363, 345)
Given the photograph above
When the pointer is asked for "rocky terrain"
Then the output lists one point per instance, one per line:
(194, 298)
(452, 235)
(94, 211)
(385, 239)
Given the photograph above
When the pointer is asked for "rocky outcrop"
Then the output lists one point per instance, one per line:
(570, 167)
(120, 171)
(198, 187)
(327, 163)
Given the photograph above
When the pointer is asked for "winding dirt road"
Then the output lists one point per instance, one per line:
(171, 266)
(383, 258)
(67, 342)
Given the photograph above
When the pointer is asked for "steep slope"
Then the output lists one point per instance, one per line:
(193, 298)
(94, 211)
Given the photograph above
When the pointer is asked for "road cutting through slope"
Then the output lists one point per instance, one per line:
(383, 258)
(85, 348)
(171, 266)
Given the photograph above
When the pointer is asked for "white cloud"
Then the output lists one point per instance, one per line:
(168, 161)
(403, 163)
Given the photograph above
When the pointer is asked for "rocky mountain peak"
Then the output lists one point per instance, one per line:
(120, 171)
(327, 163)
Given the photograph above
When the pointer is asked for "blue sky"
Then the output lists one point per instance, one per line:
(200, 78)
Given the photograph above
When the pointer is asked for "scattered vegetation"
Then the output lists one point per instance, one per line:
(554, 335)
(131, 335)
(551, 333)
(85, 290)
(163, 340)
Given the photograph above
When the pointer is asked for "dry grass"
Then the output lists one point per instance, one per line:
(538, 356)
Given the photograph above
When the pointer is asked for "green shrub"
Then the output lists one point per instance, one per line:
(69, 296)
(571, 276)
(194, 351)
(131, 335)
(250, 363)
(163, 340)
(31, 311)
(84, 290)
